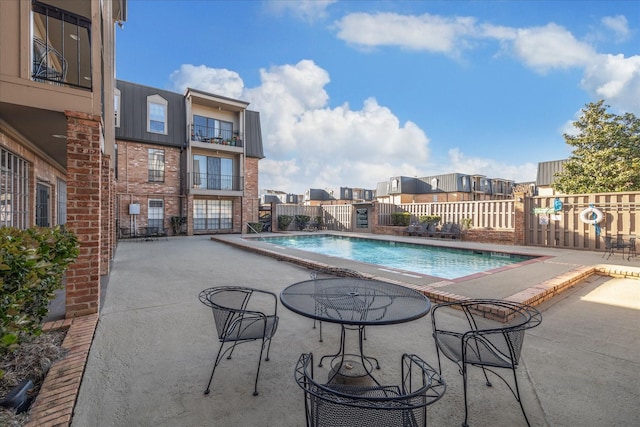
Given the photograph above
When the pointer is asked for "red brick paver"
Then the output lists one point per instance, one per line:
(58, 394)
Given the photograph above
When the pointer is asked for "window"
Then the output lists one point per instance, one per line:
(157, 114)
(155, 213)
(116, 106)
(42, 205)
(61, 47)
(212, 214)
(206, 128)
(14, 190)
(156, 165)
(61, 207)
(214, 173)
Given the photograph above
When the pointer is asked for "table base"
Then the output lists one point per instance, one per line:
(350, 366)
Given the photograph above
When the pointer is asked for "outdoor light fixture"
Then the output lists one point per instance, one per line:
(55, 135)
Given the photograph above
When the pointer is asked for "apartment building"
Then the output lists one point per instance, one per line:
(452, 187)
(187, 163)
(57, 144)
(337, 196)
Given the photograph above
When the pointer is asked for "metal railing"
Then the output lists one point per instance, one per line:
(213, 135)
(204, 181)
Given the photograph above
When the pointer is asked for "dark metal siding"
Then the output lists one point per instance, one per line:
(253, 137)
(547, 170)
(133, 115)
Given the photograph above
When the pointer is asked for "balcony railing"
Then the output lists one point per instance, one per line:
(204, 181)
(215, 136)
(61, 47)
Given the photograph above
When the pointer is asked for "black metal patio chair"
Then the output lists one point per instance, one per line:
(611, 244)
(478, 338)
(241, 315)
(332, 271)
(340, 405)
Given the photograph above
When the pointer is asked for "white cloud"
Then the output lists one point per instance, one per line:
(618, 24)
(551, 46)
(425, 32)
(219, 81)
(310, 145)
(306, 10)
(615, 79)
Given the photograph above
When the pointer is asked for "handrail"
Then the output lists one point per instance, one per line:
(255, 231)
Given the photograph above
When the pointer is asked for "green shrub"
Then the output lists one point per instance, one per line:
(254, 227)
(430, 219)
(176, 224)
(32, 267)
(466, 223)
(400, 218)
(301, 221)
(284, 221)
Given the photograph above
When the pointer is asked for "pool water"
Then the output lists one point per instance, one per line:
(447, 263)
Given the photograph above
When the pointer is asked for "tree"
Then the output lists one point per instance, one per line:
(606, 153)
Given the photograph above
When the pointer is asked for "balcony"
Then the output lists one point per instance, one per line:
(215, 182)
(61, 47)
(210, 135)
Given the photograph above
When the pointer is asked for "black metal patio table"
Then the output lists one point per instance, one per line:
(354, 303)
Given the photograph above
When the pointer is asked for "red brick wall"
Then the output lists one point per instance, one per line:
(84, 211)
(133, 186)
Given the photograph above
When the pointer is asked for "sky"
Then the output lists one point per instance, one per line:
(352, 93)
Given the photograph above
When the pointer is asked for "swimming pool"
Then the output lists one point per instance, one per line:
(447, 263)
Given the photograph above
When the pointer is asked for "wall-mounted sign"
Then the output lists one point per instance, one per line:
(543, 211)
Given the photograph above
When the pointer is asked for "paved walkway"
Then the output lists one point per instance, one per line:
(154, 345)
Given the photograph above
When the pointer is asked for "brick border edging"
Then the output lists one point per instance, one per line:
(57, 397)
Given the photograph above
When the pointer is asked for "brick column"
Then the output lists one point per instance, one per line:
(519, 219)
(250, 200)
(84, 211)
(107, 238)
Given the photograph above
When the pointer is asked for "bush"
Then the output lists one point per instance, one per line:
(284, 221)
(301, 221)
(430, 219)
(32, 267)
(176, 224)
(400, 218)
(254, 227)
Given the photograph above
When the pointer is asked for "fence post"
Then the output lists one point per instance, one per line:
(520, 218)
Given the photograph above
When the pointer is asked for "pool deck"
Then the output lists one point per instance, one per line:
(154, 343)
(530, 282)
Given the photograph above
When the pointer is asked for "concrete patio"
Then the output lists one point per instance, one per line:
(154, 345)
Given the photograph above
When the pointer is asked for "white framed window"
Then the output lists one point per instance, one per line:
(14, 191)
(116, 107)
(157, 114)
(155, 213)
(212, 214)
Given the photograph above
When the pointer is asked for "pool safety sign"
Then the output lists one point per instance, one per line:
(549, 213)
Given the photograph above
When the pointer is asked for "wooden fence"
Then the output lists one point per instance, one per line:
(334, 217)
(546, 226)
(484, 214)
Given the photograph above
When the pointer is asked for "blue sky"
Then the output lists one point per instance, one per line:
(351, 93)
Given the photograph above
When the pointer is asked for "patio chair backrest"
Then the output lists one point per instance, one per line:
(228, 306)
(335, 405)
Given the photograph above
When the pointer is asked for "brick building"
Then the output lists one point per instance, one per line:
(193, 156)
(56, 129)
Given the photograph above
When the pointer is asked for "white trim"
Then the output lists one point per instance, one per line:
(157, 100)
